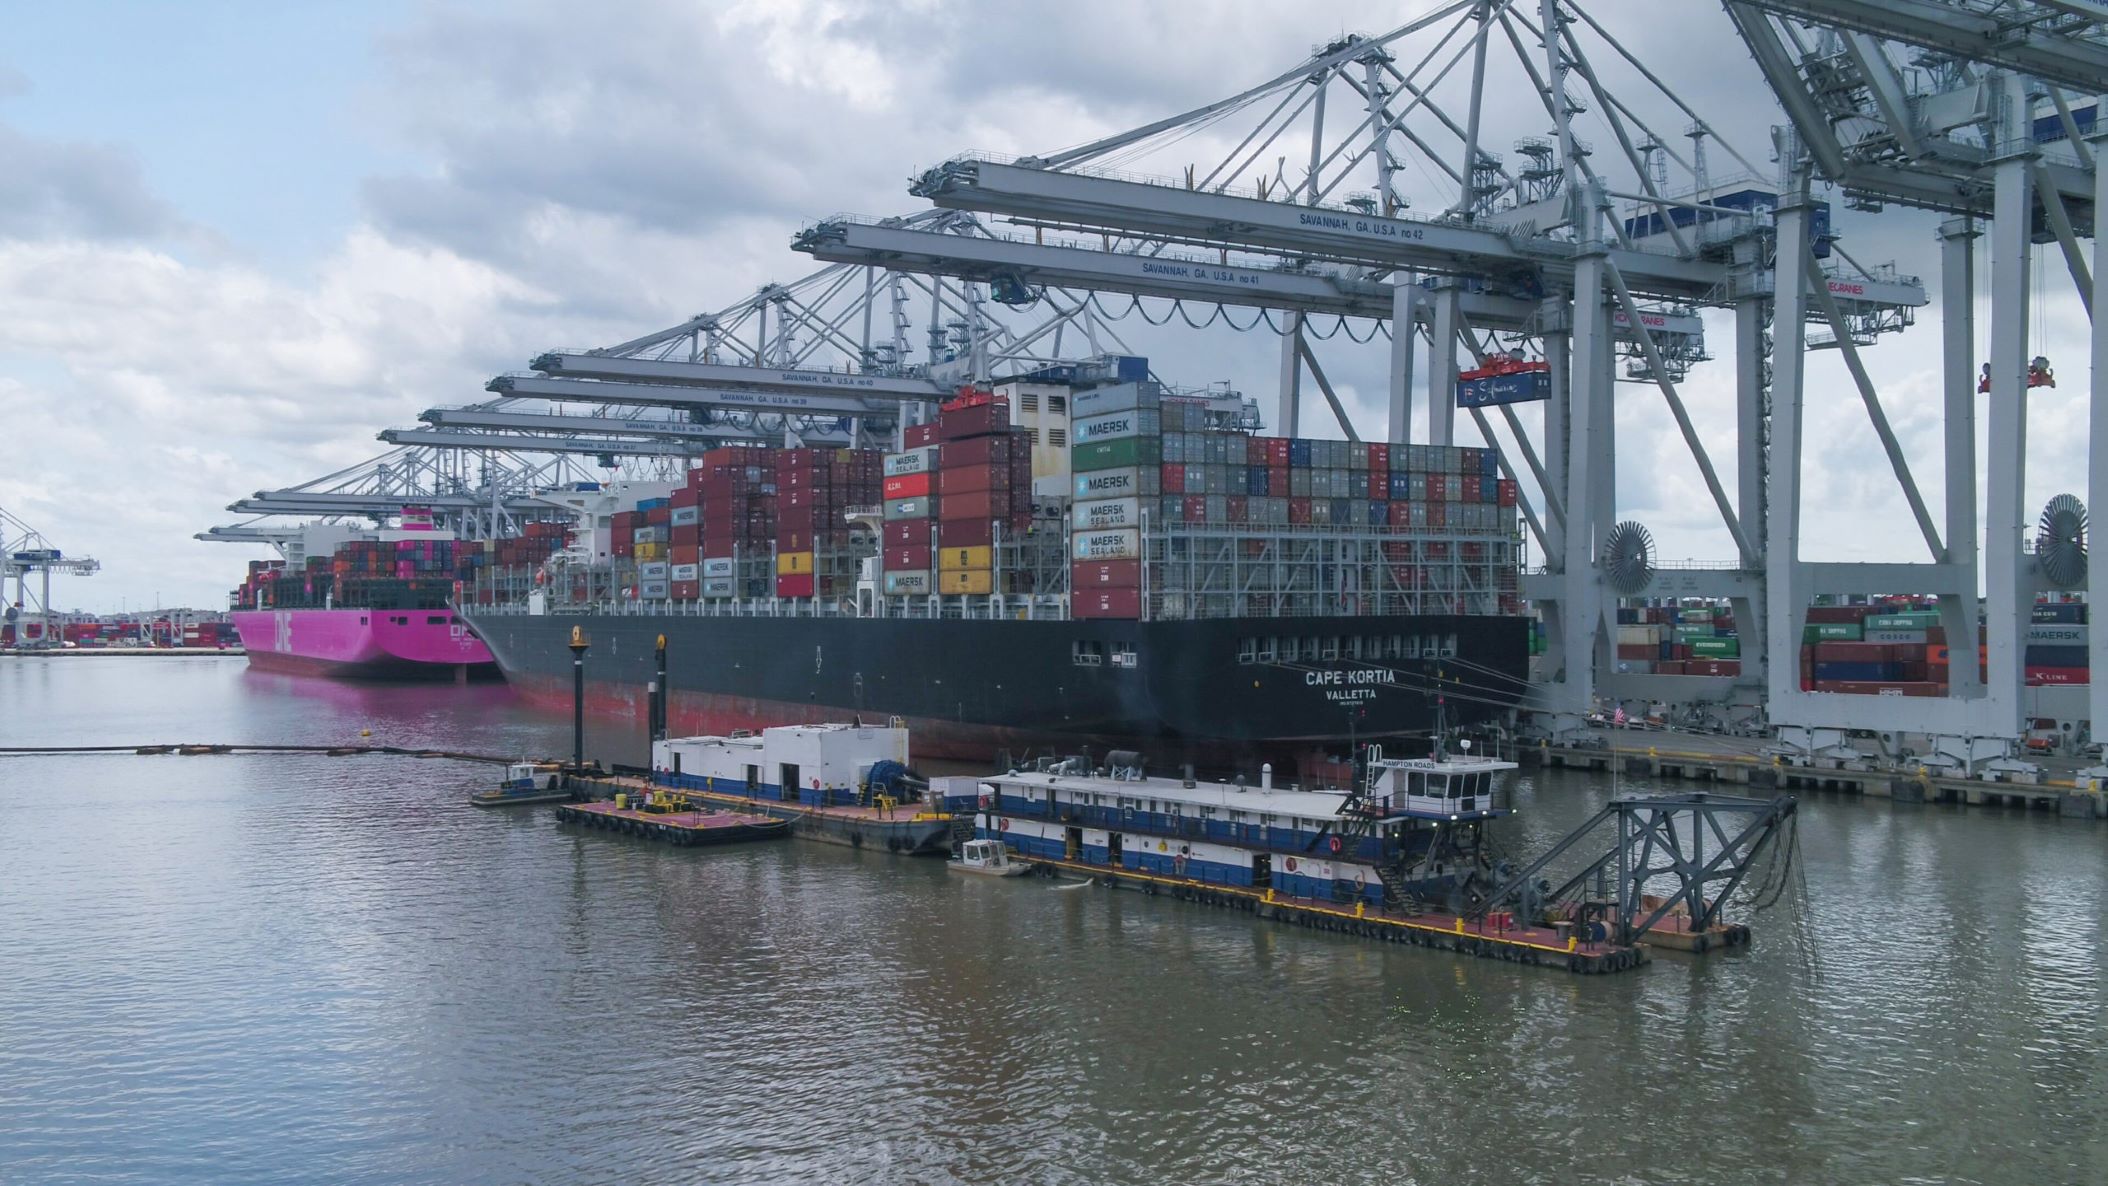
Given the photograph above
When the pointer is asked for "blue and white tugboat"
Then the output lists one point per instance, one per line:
(525, 782)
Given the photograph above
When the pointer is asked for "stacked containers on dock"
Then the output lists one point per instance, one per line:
(982, 489)
(814, 490)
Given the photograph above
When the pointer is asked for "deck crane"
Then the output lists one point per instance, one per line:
(1988, 112)
(1575, 233)
(24, 551)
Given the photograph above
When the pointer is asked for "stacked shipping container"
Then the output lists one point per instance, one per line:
(813, 489)
(951, 501)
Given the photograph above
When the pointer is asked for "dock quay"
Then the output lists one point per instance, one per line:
(1691, 760)
(904, 829)
(665, 819)
(1553, 947)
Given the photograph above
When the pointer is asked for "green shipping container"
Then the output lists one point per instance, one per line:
(1691, 633)
(1831, 632)
(1717, 648)
(1113, 454)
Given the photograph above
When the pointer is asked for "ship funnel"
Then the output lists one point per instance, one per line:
(1266, 777)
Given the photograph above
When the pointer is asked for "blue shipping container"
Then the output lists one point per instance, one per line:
(1504, 389)
(1489, 489)
(1489, 463)
(2065, 612)
(2058, 657)
(1402, 485)
(1299, 452)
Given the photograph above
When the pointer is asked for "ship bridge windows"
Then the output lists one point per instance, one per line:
(1087, 652)
(1123, 655)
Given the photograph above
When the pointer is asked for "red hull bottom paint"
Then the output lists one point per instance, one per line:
(697, 714)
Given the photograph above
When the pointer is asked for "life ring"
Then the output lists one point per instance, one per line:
(1003, 825)
(1334, 844)
(1291, 864)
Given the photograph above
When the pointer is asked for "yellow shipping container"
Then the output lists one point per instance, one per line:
(965, 559)
(648, 552)
(791, 564)
(978, 580)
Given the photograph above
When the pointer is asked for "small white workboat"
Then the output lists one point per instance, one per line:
(525, 782)
(990, 858)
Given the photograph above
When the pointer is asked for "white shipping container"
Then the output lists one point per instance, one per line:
(652, 590)
(1632, 636)
(687, 572)
(914, 461)
(1126, 482)
(687, 516)
(1131, 423)
(652, 570)
(1118, 398)
(2056, 634)
(717, 566)
(1122, 544)
(910, 583)
(718, 586)
(1105, 514)
(911, 508)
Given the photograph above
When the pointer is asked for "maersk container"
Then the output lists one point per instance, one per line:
(2056, 634)
(1114, 454)
(653, 590)
(686, 573)
(1106, 514)
(910, 584)
(1116, 425)
(2073, 612)
(657, 570)
(716, 566)
(914, 461)
(1130, 482)
(1121, 544)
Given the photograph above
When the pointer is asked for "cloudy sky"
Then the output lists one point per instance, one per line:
(236, 240)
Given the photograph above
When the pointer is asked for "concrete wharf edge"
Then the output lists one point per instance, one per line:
(2064, 797)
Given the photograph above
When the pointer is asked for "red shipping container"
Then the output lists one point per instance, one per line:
(906, 486)
(915, 436)
(1299, 510)
(2057, 675)
(1638, 650)
(1668, 667)
(980, 504)
(907, 559)
(905, 532)
(1276, 452)
(659, 516)
(683, 553)
(687, 533)
(962, 423)
(972, 478)
(1438, 514)
(794, 586)
(1239, 509)
(1506, 492)
(685, 497)
(1255, 451)
(1277, 481)
(1171, 477)
(979, 450)
(1435, 487)
(966, 533)
(1106, 603)
(793, 540)
(1110, 574)
(687, 590)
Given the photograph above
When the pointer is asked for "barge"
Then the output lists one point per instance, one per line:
(1401, 856)
(844, 784)
(667, 817)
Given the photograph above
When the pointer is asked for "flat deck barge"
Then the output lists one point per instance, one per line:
(678, 827)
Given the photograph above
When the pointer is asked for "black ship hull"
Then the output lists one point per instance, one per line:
(1201, 691)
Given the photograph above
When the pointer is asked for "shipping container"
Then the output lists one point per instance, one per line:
(953, 582)
(960, 559)
(910, 583)
(1107, 602)
(1110, 574)
(1117, 483)
(1103, 514)
(1120, 544)
(1115, 454)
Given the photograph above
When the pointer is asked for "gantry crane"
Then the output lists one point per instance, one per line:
(27, 553)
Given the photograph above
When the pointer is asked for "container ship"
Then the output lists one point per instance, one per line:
(373, 605)
(1068, 560)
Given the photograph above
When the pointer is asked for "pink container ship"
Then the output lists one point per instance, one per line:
(375, 603)
(364, 643)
